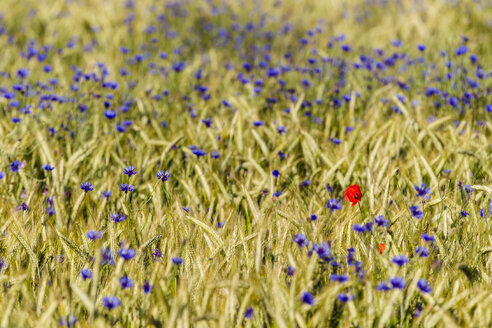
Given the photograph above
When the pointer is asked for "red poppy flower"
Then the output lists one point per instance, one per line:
(353, 194)
(382, 247)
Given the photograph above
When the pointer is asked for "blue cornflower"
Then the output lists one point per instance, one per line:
(126, 282)
(258, 123)
(82, 108)
(127, 253)
(351, 256)
(130, 170)
(323, 251)
(333, 204)
(198, 74)
(453, 101)
(360, 228)
(215, 154)
(15, 166)
(249, 313)
(422, 251)
(70, 321)
(397, 43)
(208, 122)
(464, 213)
(2, 175)
(23, 207)
(368, 226)
(314, 217)
(421, 47)
(335, 264)
(305, 183)
(416, 212)
(117, 217)
(344, 298)
(50, 210)
(277, 194)
(86, 186)
(301, 240)
(177, 260)
(381, 221)
(290, 271)
(346, 47)
(422, 191)
(336, 141)
(275, 173)
(22, 73)
(94, 235)
(432, 92)
(461, 50)
(273, 72)
(120, 128)
(359, 270)
(428, 238)
(488, 108)
(48, 167)
(179, 66)
(281, 129)
(127, 188)
(340, 278)
(198, 152)
(147, 287)
(400, 260)
(186, 209)
(164, 176)
(397, 283)
(220, 224)
(111, 302)
(110, 114)
(156, 255)
(469, 189)
(202, 89)
(307, 298)
(86, 273)
(424, 286)
(383, 286)
(107, 256)
(106, 194)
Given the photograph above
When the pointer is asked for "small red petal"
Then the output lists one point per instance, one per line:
(382, 247)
